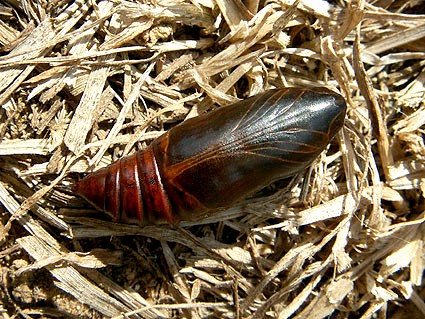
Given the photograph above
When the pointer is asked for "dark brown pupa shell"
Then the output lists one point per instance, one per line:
(217, 159)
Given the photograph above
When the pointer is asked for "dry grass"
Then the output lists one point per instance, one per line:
(86, 83)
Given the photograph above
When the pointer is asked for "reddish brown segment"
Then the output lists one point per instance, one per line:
(214, 160)
(117, 188)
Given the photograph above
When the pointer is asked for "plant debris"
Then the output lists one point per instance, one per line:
(85, 83)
